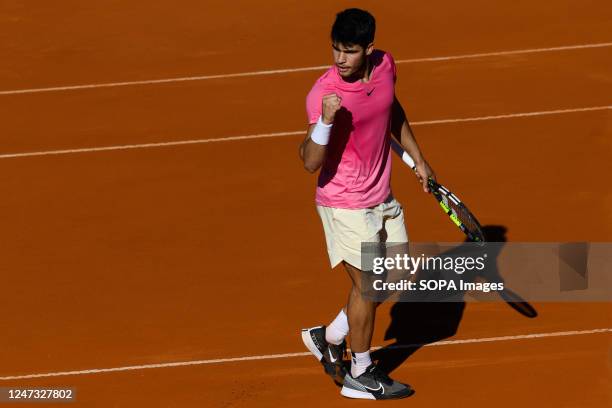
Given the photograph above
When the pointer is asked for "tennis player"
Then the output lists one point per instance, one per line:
(352, 113)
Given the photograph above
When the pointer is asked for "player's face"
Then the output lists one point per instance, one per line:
(349, 58)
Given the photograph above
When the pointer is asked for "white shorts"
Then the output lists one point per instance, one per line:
(345, 229)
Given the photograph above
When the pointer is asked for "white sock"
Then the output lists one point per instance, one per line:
(359, 363)
(337, 329)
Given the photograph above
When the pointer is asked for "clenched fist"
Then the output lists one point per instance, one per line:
(331, 105)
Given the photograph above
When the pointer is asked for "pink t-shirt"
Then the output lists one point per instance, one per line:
(357, 169)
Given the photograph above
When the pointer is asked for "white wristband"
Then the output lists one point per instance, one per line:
(320, 133)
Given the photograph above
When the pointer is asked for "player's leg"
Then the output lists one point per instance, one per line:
(361, 315)
(369, 382)
(361, 312)
(388, 220)
(365, 380)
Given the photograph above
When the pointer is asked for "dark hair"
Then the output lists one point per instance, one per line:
(354, 26)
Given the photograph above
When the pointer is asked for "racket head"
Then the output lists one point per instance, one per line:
(458, 212)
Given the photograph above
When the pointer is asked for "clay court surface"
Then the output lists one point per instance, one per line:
(210, 254)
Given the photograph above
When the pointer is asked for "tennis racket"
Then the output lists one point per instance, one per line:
(449, 202)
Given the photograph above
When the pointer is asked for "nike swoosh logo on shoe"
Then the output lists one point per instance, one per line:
(380, 388)
(331, 357)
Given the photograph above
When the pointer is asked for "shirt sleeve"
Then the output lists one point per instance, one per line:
(314, 101)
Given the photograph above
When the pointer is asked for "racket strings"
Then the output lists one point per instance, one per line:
(459, 214)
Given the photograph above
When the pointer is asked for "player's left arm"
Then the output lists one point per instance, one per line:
(400, 129)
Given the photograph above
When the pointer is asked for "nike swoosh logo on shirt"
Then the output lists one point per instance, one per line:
(370, 93)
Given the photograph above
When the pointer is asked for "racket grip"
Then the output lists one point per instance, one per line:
(402, 153)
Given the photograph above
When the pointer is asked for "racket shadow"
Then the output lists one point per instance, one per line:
(425, 321)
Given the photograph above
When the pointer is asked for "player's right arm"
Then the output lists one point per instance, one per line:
(314, 146)
(312, 154)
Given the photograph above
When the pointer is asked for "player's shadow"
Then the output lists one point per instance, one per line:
(343, 126)
(416, 322)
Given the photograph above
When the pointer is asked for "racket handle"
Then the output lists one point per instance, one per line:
(402, 153)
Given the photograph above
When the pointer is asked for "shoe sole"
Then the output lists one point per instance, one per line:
(307, 339)
(352, 393)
